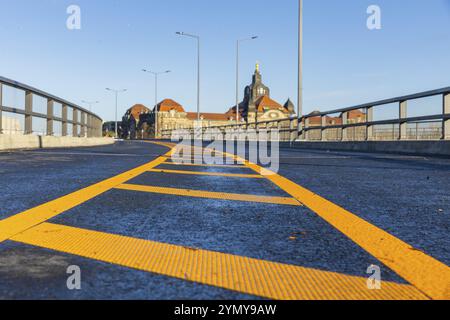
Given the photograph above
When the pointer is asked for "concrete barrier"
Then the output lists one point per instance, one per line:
(428, 148)
(17, 141)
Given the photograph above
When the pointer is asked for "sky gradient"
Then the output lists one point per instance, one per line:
(344, 62)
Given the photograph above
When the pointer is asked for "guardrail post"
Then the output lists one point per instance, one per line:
(75, 123)
(1, 107)
(300, 129)
(344, 129)
(446, 122)
(90, 133)
(100, 128)
(369, 128)
(64, 120)
(50, 112)
(292, 134)
(403, 114)
(28, 113)
(94, 126)
(307, 132)
(88, 129)
(83, 124)
(323, 124)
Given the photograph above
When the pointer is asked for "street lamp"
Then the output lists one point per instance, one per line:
(198, 68)
(238, 42)
(117, 94)
(156, 74)
(300, 60)
(90, 103)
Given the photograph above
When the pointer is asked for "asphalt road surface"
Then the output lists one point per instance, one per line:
(141, 227)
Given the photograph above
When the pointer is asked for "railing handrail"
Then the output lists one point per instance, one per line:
(414, 96)
(43, 94)
(304, 126)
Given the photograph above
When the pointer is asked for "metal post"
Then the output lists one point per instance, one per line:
(116, 94)
(64, 120)
(446, 112)
(369, 128)
(344, 123)
(156, 113)
(83, 124)
(237, 81)
(28, 111)
(89, 125)
(300, 63)
(198, 79)
(198, 68)
(156, 105)
(323, 135)
(50, 113)
(307, 132)
(417, 131)
(1, 107)
(117, 126)
(99, 128)
(403, 114)
(75, 123)
(292, 135)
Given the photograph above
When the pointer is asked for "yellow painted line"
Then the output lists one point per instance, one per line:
(32, 217)
(421, 270)
(204, 165)
(241, 274)
(213, 174)
(211, 195)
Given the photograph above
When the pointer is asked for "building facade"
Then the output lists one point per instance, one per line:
(257, 105)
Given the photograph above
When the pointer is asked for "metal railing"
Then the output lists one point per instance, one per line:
(84, 123)
(427, 127)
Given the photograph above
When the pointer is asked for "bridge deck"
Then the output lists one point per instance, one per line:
(140, 226)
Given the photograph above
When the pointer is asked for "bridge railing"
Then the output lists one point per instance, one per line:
(365, 128)
(343, 125)
(83, 122)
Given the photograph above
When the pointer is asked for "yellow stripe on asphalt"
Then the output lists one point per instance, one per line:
(199, 161)
(212, 174)
(211, 195)
(421, 270)
(241, 274)
(32, 217)
(204, 165)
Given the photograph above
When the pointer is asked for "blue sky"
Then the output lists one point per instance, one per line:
(345, 63)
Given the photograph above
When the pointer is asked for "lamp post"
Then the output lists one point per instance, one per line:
(117, 98)
(198, 68)
(90, 103)
(238, 42)
(300, 60)
(156, 74)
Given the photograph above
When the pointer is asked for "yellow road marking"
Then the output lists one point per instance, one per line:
(250, 276)
(211, 195)
(421, 270)
(32, 217)
(213, 174)
(204, 165)
(424, 272)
